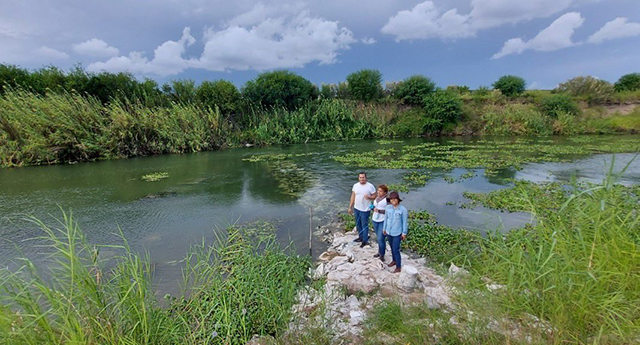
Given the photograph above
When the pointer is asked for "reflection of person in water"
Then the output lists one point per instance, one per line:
(361, 195)
(395, 227)
(379, 206)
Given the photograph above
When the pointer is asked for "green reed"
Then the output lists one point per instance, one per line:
(243, 284)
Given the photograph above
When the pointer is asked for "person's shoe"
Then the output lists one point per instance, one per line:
(397, 270)
(363, 244)
(377, 255)
(382, 258)
(357, 240)
(391, 264)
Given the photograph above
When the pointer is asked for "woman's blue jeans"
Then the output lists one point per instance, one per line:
(382, 246)
(395, 249)
(362, 224)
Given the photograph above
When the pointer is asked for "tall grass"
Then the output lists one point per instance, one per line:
(578, 268)
(242, 285)
(66, 127)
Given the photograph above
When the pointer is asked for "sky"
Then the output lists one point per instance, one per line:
(454, 42)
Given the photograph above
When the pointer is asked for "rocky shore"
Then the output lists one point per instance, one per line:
(355, 281)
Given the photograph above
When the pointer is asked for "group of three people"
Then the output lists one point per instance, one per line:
(390, 219)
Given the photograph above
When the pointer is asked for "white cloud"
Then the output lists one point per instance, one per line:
(426, 21)
(556, 36)
(96, 48)
(617, 28)
(167, 59)
(283, 42)
(288, 41)
(368, 40)
(493, 13)
(51, 53)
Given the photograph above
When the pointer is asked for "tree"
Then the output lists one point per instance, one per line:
(365, 85)
(220, 93)
(510, 85)
(593, 90)
(280, 88)
(628, 82)
(413, 89)
(441, 107)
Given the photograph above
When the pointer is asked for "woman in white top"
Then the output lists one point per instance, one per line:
(379, 206)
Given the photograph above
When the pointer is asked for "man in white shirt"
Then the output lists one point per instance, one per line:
(362, 195)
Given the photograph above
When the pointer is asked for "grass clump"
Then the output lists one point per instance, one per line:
(518, 198)
(154, 177)
(242, 285)
(575, 269)
(439, 243)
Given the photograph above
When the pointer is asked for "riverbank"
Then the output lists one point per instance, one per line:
(68, 128)
(569, 278)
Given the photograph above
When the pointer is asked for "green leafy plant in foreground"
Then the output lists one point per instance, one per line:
(244, 284)
(575, 269)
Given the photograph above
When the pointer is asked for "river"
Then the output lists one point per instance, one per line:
(205, 192)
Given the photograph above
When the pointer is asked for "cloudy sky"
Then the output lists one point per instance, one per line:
(455, 42)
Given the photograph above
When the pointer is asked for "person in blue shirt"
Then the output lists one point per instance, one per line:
(396, 226)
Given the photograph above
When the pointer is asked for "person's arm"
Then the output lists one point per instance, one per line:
(386, 223)
(372, 195)
(405, 223)
(351, 202)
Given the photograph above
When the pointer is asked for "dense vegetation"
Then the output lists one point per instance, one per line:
(51, 116)
(572, 277)
(244, 284)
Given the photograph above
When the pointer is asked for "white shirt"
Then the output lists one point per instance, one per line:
(361, 203)
(379, 217)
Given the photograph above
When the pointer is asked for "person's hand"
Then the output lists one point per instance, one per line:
(403, 237)
(384, 232)
(350, 210)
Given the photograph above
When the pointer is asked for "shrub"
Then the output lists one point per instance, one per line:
(365, 85)
(280, 88)
(459, 89)
(220, 93)
(12, 76)
(441, 107)
(410, 123)
(413, 89)
(593, 90)
(482, 91)
(558, 103)
(510, 85)
(628, 82)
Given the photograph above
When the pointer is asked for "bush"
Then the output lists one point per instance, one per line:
(441, 107)
(593, 90)
(365, 85)
(410, 123)
(413, 89)
(220, 93)
(280, 88)
(558, 103)
(12, 76)
(510, 85)
(628, 82)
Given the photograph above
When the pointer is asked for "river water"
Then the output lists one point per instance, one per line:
(205, 192)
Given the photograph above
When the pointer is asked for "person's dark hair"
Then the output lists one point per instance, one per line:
(384, 188)
(362, 173)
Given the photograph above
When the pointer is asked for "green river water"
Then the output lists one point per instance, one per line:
(205, 192)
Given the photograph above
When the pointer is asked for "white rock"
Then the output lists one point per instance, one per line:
(407, 279)
(355, 318)
(457, 271)
(319, 272)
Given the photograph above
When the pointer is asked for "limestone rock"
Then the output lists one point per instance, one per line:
(407, 279)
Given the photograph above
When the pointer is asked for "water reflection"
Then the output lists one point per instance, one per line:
(207, 191)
